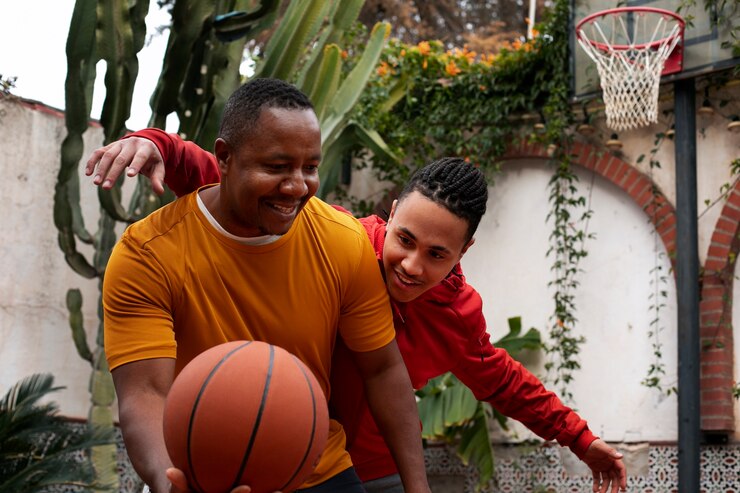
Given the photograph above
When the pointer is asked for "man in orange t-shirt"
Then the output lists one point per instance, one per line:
(256, 257)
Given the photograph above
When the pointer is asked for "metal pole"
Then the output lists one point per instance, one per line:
(532, 13)
(687, 280)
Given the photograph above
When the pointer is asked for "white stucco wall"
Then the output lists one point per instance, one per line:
(509, 267)
(34, 332)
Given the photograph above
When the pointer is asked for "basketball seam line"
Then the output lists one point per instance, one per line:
(258, 419)
(313, 425)
(195, 408)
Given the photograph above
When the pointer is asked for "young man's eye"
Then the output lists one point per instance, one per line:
(312, 168)
(404, 240)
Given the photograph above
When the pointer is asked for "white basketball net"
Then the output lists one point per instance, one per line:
(630, 62)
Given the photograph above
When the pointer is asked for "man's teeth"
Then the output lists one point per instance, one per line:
(405, 280)
(284, 209)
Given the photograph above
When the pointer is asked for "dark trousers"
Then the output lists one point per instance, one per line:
(346, 481)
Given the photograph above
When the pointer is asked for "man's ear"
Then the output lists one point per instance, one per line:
(223, 153)
(465, 248)
(393, 210)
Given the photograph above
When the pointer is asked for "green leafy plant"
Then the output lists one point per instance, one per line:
(37, 446)
(450, 412)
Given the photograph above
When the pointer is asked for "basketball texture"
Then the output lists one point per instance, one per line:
(245, 412)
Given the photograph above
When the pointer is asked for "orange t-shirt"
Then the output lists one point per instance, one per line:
(175, 286)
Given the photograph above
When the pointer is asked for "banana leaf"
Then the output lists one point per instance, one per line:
(450, 412)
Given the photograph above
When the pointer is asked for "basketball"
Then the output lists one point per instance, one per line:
(245, 412)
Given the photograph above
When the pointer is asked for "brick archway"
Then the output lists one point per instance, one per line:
(715, 308)
(717, 356)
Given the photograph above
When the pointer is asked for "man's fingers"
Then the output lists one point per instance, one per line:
(597, 482)
(157, 178)
(124, 156)
(93, 161)
(177, 478)
(622, 477)
(139, 160)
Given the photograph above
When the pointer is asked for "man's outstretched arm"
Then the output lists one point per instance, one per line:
(162, 157)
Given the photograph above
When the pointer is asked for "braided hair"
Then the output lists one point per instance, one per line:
(455, 184)
(242, 109)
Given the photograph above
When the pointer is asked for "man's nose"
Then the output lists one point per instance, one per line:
(412, 264)
(294, 184)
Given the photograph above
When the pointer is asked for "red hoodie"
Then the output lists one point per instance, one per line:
(442, 330)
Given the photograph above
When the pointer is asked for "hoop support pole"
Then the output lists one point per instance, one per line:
(687, 281)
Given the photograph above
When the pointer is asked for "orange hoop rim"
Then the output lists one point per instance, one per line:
(652, 10)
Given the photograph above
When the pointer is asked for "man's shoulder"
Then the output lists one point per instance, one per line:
(333, 220)
(162, 222)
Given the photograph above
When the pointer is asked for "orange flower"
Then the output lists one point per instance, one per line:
(488, 59)
(424, 64)
(383, 69)
(424, 48)
(403, 52)
(344, 54)
(482, 87)
(470, 55)
(517, 44)
(535, 33)
(451, 68)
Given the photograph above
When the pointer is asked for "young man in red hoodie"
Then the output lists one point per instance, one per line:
(437, 316)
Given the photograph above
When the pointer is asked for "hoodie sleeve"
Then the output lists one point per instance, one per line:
(495, 377)
(187, 166)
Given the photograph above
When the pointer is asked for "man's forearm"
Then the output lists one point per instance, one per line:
(391, 400)
(144, 439)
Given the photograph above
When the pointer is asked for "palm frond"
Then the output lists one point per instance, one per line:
(37, 447)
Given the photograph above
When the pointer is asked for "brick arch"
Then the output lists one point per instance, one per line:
(716, 319)
(715, 307)
(635, 183)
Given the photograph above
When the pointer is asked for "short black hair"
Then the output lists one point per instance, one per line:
(242, 109)
(455, 184)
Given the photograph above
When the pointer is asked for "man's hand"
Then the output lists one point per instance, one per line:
(135, 155)
(180, 483)
(607, 467)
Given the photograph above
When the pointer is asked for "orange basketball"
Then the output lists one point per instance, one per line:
(245, 412)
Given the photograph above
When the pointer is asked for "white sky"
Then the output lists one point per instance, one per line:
(33, 35)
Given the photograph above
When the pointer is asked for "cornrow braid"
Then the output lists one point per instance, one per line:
(242, 109)
(455, 184)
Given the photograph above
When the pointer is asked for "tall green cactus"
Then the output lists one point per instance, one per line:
(113, 30)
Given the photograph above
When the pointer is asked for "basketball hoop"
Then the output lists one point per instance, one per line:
(632, 47)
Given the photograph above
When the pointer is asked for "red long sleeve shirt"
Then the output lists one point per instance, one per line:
(442, 330)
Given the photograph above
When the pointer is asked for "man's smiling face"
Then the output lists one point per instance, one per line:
(423, 243)
(270, 177)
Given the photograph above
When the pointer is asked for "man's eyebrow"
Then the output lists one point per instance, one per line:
(413, 237)
(279, 156)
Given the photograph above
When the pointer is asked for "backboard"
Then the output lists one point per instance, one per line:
(702, 51)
